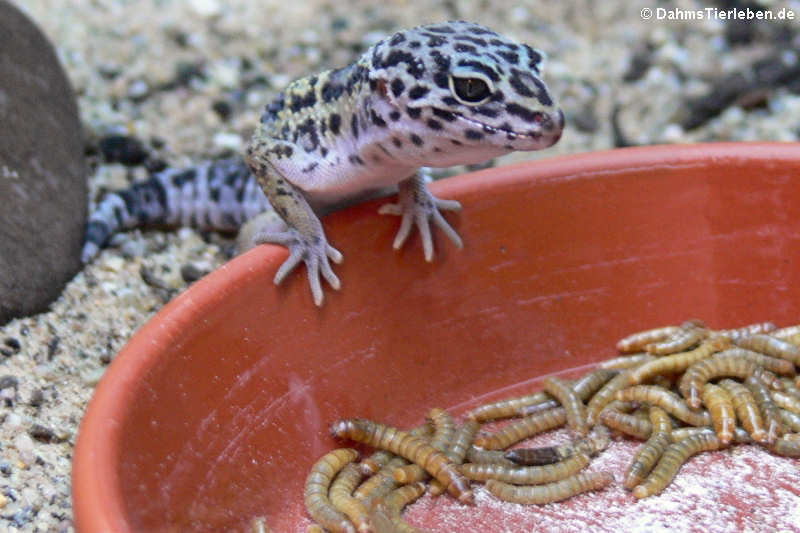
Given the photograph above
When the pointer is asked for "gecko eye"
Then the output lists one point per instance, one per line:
(470, 91)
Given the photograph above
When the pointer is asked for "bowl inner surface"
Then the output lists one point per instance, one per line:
(216, 410)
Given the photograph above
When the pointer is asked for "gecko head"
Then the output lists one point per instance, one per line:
(464, 84)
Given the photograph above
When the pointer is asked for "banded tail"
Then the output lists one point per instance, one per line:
(219, 195)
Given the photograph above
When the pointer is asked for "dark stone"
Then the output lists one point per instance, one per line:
(42, 170)
(123, 149)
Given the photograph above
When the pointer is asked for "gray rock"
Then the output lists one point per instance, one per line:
(43, 192)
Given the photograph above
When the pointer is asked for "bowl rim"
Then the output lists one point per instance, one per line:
(96, 492)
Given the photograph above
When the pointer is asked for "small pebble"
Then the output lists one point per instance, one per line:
(43, 433)
(191, 272)
(37, 398)
(123, 149)
(8, 381)
(26, 448)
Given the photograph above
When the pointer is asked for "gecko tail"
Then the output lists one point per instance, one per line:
(219, 195)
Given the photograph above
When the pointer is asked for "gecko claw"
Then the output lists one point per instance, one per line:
(418, 207)
(315, 253)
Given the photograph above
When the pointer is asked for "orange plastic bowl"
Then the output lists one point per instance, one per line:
(216, 409)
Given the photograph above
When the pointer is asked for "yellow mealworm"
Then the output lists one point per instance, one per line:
(576, 411)
(740, 435)
(481, 456)
(637, 341)
(787, 446)
(667, 400)
(769, 411)
(671, 461)
(444, 429)
(785, 333)
(786, 401)
(341, 496)
(773, 364)
(627, 361)
(405, 445)
(720, 405)
(719, 365)
(693, 323)
(651, 451)
(597, 441)
(506, 408)
(769, 345)
(385, 513)
(746, 409)
(746, 331)
(315, 528)
(679, 342)
(522, 429)
(381, 483)
(375, 462)
(789, 387)
(605, 396)
(551, 492)
(526, 475)
(790, 420)
(461, 442)
(316, 490)
(673, 364)
(629, 424)
(584, 388)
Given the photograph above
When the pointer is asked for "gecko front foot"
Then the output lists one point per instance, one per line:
(313, 251)
(416, 205)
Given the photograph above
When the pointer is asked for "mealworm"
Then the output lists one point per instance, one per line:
(413, 448)
(381, 483)
(773, 364)
(650, 452)
(785, 333)
(526, 475)
(461, 442)
(552, 492)
(522, 429)
(790, 419)
(596, 442)
(576, 411)
(746, 409)
(605, 396)
(679, 342)
(626, 361)
(506, 408)
(341, 496)
(315, 528)
(720, 406)
(667, 400)
(719, 365)
(629, 424)
(769, 411)
(769, 345)
(385, 513)
(746, 331)
(584, 388)
(674, 456)
(637, 341)
(787, 446)
(789, 387)
(786, 401)
(444, 429)
(316, 490)
(673, 364)
(481, 456)
(693, 323)
(375, 462)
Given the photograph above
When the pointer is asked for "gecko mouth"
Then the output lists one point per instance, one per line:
(534, 134)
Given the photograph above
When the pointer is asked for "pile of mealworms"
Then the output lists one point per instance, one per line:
(683, 389)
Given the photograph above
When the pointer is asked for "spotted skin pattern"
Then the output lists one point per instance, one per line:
(438, 95)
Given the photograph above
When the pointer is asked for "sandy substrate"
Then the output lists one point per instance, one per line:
(189, 78)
